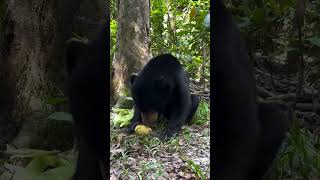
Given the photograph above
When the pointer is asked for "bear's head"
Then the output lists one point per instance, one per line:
(150, 96)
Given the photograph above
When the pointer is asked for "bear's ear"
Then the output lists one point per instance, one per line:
(162, 83)
(74, 48)
(132, 78)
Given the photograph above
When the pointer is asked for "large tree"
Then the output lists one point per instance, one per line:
(132, 48)
(32, 52)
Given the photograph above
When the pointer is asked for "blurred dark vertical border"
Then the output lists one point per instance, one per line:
(32, 69)
(212, 90)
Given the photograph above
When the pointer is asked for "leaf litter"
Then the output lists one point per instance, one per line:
(146, 157)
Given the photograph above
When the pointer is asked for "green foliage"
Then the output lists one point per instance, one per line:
(38, 165)
(113, 37)
(61, 116)
(202, 114)
(300, 157)
(122, 117)
(28, 153)
(315, 41)
(55, 100)
(113, 9)
(196, 169)
(178, 27)
(150, 167)
(113, 29)
(268, 24)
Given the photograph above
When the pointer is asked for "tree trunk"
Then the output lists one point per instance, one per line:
(132, 49)
(32, 59)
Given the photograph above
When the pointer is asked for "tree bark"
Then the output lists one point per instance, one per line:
(132, 48)
(32, 59)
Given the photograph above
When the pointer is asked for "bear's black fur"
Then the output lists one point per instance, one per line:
(162, 87)
(87, 66)
(235, 125)
(240, 133)
(195, 100)
(274, 119)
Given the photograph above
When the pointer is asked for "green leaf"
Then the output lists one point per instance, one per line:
(286, 3)
(123, 118)
(242, 21)
(128, 98)
(25, 152)
(39, 172)
(258, 16)
(39, 164)
(61, 116)
(55, 100)
(314, 41)
(59, 173)
(44, 165)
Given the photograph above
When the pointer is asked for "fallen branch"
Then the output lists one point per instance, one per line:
(308, 107)
(263, 92)
(284, 97)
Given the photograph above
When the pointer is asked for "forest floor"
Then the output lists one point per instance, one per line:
(146, 157)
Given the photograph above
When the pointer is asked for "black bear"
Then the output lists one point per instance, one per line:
(240, 133)
(274, 117)
(162, 87)
(87, 66)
